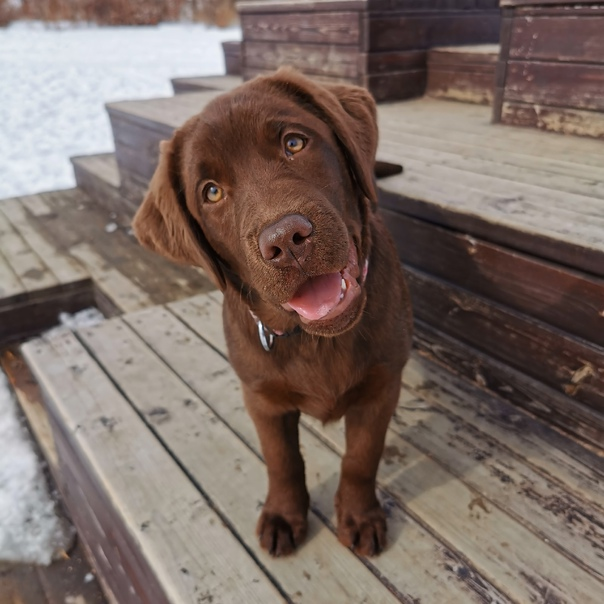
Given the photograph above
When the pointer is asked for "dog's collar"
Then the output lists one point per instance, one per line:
(267, 335)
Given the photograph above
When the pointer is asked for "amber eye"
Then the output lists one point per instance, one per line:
(213, 193)
(294, 144)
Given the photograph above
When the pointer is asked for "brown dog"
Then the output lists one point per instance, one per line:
(270, 189)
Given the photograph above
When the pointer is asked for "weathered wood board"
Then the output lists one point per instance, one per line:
(551, 73)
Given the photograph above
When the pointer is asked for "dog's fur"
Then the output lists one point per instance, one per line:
(346, 366)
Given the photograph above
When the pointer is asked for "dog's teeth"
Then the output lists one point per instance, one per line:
(344, 287)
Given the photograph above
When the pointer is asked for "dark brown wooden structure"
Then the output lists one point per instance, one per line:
(379, 44)
(551, 70)
(463, 73)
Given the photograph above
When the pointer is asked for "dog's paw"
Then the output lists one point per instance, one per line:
(363, 532)
(280, 536)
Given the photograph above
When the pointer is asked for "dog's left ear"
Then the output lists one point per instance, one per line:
(350, 112)
(361, 132)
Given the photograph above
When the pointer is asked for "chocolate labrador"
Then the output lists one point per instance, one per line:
(270, 189)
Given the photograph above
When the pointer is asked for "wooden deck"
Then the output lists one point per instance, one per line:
(485, 503)
(61, 252)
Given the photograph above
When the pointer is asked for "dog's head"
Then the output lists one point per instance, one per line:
(270, 189)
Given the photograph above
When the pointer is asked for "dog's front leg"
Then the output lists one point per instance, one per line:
(361, 519)
(283, 523)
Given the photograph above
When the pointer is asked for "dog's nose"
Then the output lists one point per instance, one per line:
(286, 242)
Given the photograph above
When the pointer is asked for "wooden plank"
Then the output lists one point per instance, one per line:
(532, 3)
(10, 284)
(164, 515)
(406, 475)
(24, 262)
(125, 294)
(554, 455)
(62, 266)
(30, 400)
(471, 55)
(567, 364)
(538, 444)
(457, 122)
(205, 83)
(81, 222)
(395, 85)
(424, 31)
(583, 210)
(231, 476)
(374, 63)
(573, 85)
(415, 564)
(518, 167)
(524, 569)
(163, 114)
(566, 299)
(460, 86)
(23, 316)
(287, 6)
(524, 392)
(561, 120)
(36, 205)
(558, 39)
(533, 230)
(302, 27)
(320, 59)
(572, 525)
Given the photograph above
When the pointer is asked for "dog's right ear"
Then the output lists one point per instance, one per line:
(163, 223)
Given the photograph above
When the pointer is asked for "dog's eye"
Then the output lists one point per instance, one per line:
(294, 144)
(213, 193)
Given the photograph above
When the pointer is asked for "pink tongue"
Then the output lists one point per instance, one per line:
(317, 296)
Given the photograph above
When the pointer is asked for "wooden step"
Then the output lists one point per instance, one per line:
(551, 70)
(463, 73)
(98, 175)
(205, 83)
(62, 252)
(380, 45)
(504, 228)
(158, 455)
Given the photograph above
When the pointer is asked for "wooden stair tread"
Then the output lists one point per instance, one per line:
(158, 510)
(470, 482)
(554, 212)
(222, 82)
(56, 255)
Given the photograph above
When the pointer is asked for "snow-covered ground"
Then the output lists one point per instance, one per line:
(54, 83)
(53, 86)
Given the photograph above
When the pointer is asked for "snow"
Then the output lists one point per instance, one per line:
(30, 531)
(55, 82)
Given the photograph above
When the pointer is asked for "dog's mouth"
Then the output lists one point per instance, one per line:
(325, 297)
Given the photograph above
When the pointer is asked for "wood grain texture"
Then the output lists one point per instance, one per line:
(567, 364)
(571, 301)
(561, 120)
(163, 516)
(558, 39)
(575, 85)
(231, 476)
(320, 59)
(416, 564)
(466, 86)
(406, 468)
(568, 415)
(421, 32)
(340, 28)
